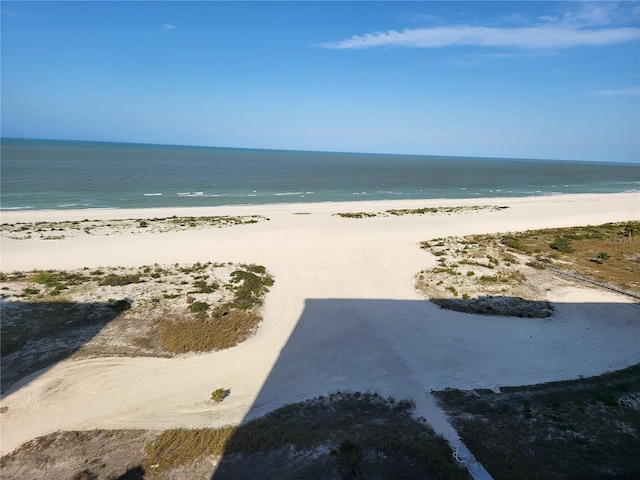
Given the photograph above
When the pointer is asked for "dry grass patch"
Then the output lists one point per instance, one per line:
(206, 333)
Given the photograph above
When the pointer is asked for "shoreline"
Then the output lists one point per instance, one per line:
(344, 288)
(15, 216)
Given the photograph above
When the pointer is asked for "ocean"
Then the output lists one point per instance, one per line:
(56, 174)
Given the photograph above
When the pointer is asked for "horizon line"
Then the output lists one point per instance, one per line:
(349, 152)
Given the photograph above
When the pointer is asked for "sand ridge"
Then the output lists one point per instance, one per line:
(343, 314)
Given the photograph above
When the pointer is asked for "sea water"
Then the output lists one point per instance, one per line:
(56, 174)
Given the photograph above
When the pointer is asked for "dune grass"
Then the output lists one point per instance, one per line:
(422, 211)
(586, 428)
(472, 270)
(178, 308)
(391, 440)
(608, 252)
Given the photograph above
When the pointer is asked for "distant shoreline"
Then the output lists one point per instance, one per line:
(50, 215)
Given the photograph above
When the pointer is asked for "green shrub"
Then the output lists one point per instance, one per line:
(351, 456)
(203, 287)
(602, 257)
(512, 242)
(218, 395)
(114, 280)
(45, 278)
(562, 244)
(198, 307)
(453, 290)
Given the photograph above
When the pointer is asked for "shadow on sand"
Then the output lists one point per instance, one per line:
(399, 348)
(37, 335)
(408, 348)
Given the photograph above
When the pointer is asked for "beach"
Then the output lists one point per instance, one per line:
(343, 314)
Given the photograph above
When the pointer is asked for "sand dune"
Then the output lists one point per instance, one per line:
(343, 314)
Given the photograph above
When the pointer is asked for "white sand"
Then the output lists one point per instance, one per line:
(342, 314)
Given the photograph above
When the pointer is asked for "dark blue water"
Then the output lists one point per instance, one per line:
(45, 174)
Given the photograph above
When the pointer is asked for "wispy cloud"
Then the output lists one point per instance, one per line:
(168, 27)
(543, 37)
(585, 25)
(626, 92)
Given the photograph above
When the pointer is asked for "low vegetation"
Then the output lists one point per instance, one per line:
(423, 211)
(507, 274)
(607, 253)
(342, 435)
(158, 310)
(67, 229)
(587, 428)
(218, 395)
(352, 434)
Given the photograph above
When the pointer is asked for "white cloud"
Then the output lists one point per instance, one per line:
(168, 27)
(585, 24)
(540, 37)
(632, 92)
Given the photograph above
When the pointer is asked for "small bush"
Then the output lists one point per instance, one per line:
(203, 287)
(218, 395)
(114, 280)
(562, 244)
(453, 290)
(351, 456)
(602, 257)
(45, 278)
(198, 307)
(512, 242)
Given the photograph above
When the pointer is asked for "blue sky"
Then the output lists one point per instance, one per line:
(557, 80)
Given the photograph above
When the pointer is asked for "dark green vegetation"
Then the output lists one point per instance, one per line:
(586, 429)
(61, 230)
(371, 437)
(422, 211)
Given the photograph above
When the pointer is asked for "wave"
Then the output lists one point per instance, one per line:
(291, 193)
(191, 194)
(72, 205)
(28, 207)
(152, 194)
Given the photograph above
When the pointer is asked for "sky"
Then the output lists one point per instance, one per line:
(545, 80)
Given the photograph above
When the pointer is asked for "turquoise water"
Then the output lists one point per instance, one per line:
(45, 174)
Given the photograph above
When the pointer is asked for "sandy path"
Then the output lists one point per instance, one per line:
(342, 314)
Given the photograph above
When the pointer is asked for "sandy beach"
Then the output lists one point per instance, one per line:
(343, 314)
